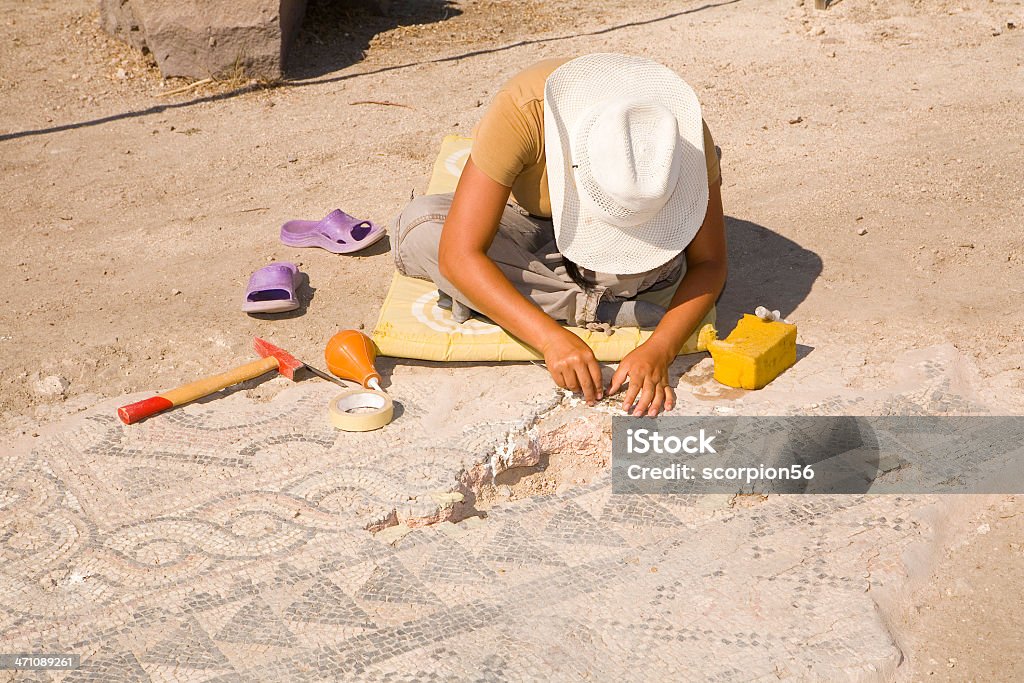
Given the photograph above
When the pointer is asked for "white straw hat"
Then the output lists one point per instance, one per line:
(628, 182)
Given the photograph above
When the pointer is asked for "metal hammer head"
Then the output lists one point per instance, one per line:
(287, 364)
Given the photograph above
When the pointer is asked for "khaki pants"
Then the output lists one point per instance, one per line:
(525, 251)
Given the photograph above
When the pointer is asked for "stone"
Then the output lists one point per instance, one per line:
(117, 17)
(202, 39)
(393, 534)
(51, 386)
(446, 498)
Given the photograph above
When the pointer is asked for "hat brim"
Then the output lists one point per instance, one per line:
(570, 91)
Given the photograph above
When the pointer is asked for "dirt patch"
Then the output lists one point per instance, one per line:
(967, 623)
(572, 447)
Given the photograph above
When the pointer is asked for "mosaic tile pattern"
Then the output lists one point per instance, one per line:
(226, 542)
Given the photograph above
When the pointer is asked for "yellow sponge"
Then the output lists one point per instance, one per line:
(754, 354)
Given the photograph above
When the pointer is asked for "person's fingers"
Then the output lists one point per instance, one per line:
(557, 376)
(586, 383)
(670, 398)
(631, 394)
(595, 377)
(646, 396)
(659, 401)
(618, 379)
(571, 382)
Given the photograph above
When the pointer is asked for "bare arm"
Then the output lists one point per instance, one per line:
(647, 366)
(462, 257)
(703, 282)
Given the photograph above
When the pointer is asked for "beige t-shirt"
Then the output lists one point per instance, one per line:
(508, 143)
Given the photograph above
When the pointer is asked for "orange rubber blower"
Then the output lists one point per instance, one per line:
(350, 355)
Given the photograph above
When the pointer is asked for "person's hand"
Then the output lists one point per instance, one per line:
(647, 370)
(573, 366)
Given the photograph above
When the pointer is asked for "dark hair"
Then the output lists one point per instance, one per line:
(573, 271)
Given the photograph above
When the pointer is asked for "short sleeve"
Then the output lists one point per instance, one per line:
(711, 157)
(503, 141)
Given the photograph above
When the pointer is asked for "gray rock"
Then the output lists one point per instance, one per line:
(51, 386)
(117, 18)
(199, 39)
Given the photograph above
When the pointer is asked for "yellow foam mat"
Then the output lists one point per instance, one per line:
(449, 163)
(412, 325)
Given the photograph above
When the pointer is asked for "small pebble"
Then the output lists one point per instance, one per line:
(862, 232)
(292, 160)
(175, 292)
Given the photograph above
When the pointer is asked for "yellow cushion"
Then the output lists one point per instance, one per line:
(448, 165)
(412, 325)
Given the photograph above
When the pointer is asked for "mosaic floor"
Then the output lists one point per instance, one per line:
(227, 541)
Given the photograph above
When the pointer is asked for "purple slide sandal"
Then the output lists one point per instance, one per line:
(338, 232)
(272, 289)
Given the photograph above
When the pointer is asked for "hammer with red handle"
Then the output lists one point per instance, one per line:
(271, 358)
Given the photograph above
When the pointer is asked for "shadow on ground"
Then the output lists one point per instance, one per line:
(765, 269)
(336, 33)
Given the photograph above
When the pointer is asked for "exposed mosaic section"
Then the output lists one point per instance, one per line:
(226, 542)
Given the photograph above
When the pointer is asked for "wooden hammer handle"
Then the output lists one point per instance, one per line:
(195, 390)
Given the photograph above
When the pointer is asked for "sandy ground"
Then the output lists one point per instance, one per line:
(965, 624)
(132, 222)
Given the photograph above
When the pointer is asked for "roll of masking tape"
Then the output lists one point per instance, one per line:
(360, 410)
